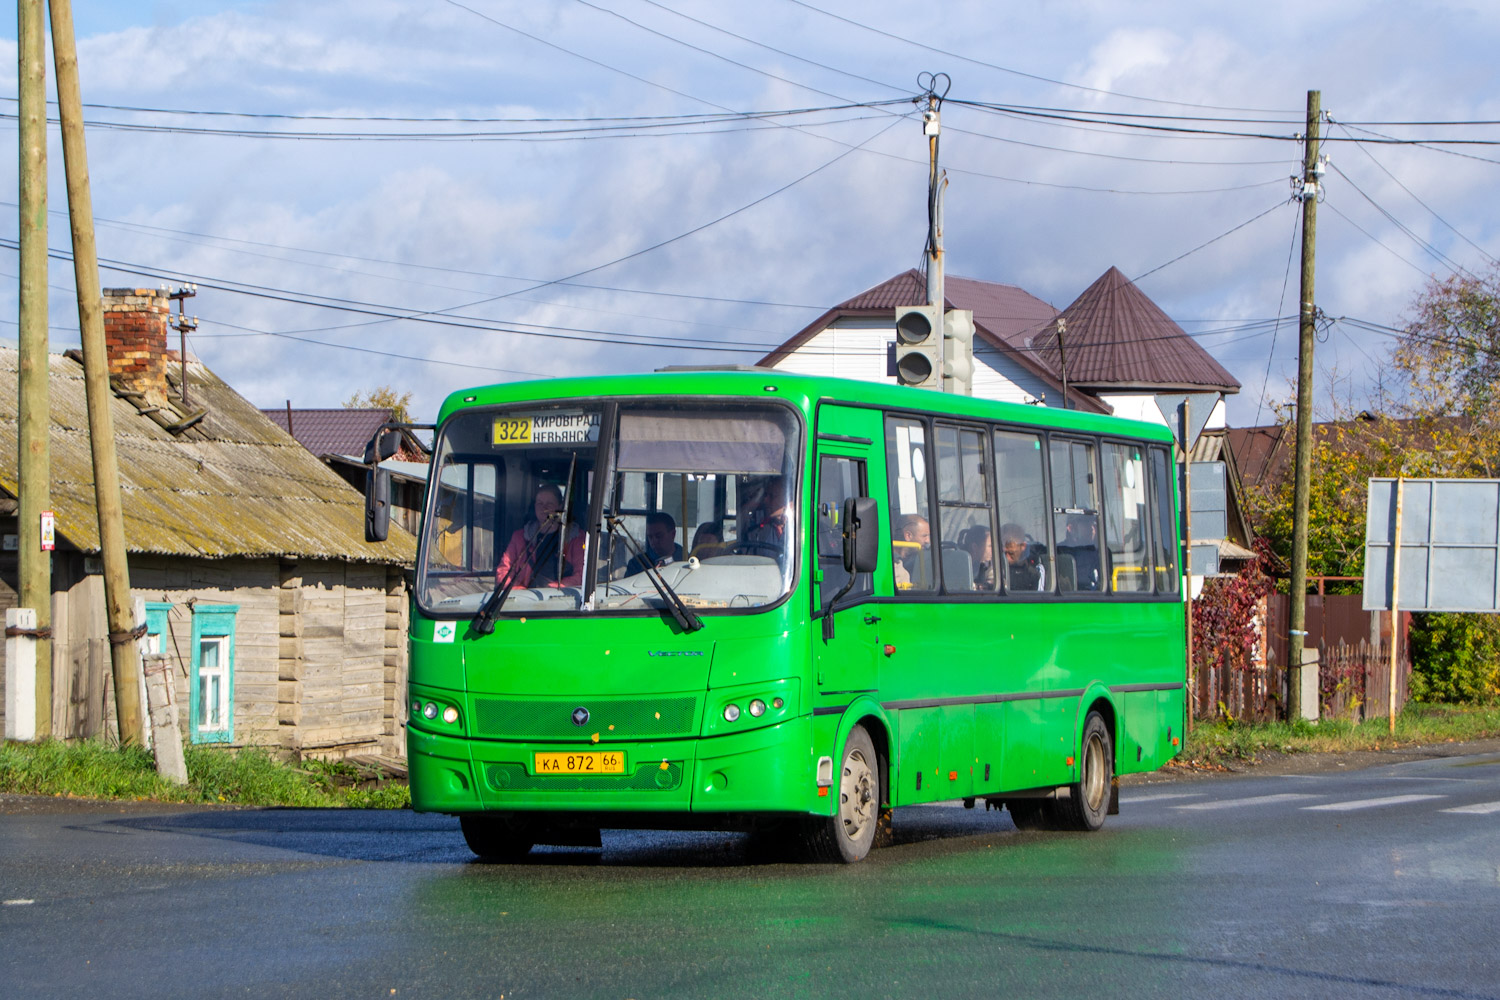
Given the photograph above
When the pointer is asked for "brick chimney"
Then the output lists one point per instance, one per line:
(135, 335)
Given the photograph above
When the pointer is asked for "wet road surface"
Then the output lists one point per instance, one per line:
(1377, 883)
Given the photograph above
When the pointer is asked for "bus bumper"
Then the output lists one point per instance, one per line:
(763, 770)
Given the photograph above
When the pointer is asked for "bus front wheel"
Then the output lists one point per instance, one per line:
(496, 838)
(849, 833)
(1088, 798)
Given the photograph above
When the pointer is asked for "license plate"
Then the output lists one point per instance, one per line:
(583, 762)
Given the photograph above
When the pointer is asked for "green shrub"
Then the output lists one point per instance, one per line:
(1455, 658)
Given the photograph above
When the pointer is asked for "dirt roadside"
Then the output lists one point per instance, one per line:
(1273, 762)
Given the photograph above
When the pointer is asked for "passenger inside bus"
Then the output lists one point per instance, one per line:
(661, 544)
(1023, 565)
(765, 521)
(910, 540)
(539, 537)
(1081, 541)
(981, 548)
(708, 540)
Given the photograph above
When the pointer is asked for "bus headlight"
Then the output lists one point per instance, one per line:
(430, 710)
(450, 715)
(731, 713)
(757, 707)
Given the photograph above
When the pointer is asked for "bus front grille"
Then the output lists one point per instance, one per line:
(652, 777)
(612, 719)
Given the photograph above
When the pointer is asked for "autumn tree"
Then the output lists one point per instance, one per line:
(383, 398)
(1445, 423)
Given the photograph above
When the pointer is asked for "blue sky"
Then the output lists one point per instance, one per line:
(759, 224)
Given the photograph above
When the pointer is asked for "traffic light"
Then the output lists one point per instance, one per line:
(919, 347)
(958, 351)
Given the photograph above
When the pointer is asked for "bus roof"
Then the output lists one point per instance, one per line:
(804, 390)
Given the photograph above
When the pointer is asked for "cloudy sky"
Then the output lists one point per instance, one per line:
(433, 194)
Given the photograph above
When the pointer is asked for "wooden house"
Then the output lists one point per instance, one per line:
(283, 626)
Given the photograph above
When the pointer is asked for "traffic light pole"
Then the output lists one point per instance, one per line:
(932, 126)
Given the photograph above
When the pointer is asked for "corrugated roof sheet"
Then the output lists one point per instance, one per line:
(233, 485)
(342, 431)
(1117, 337)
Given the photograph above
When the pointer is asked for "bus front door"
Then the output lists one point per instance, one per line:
(844, 660)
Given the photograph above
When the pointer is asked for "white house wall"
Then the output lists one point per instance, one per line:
(858, 349)
(1142, 406)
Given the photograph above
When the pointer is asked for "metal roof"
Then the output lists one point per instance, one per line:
(1116, 337)
(233, 484)
(342, 431)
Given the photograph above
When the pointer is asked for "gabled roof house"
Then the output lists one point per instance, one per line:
(283, 626)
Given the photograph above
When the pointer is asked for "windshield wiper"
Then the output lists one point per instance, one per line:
(687, 619)
(484, 620)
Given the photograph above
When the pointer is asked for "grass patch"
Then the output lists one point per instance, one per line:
(250, 776)
(1220, 744)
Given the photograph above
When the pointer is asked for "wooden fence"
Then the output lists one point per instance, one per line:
(1353, 670)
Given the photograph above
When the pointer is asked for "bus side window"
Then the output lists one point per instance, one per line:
(911, 520)
(1024, 552)
(968, 550)
(1075, 512)
(1125, 508)
(1163, 524)
(838, 480)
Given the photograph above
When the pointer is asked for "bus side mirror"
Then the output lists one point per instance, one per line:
(382, 446)
(861, 535)
(377, 505)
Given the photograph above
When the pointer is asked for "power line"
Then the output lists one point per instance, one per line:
(1216, 239)
(1376, 240)
(1433, 251)
(1280, 305)
(1005, 69)
(1433, 212)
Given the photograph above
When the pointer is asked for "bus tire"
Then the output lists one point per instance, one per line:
(1088, 798)
(849, 833)
(496, 838)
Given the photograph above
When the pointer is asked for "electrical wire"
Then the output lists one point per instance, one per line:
(1286, 280)
(1431, 211)
(1376, 240)
(1216, 239)
(1431, 250)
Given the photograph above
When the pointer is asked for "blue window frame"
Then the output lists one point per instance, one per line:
(211, 694)
(156, 626)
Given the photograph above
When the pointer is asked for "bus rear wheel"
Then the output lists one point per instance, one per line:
(1088, 798)
(849, 833)
(496, 838)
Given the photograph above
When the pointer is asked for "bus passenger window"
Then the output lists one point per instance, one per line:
(1125, 531)
(1163, 524)
(1075, 516)
(1021, 498)
(911, 522)
(964, 513)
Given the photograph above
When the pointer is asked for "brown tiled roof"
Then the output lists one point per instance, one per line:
(344, 431)
(231, 484)
(1117, 338)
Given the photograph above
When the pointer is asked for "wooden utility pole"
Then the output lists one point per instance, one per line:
(1311, 171)
(122, 627)
(34, 392)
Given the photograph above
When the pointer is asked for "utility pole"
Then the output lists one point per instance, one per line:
(932, 127)
(33, 388)
(1312, 171)
(122, 627)
(1062, 357)
(184, 325)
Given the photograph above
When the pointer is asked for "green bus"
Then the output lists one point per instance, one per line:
(746, 599)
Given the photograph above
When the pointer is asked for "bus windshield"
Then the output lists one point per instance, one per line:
(698, 499)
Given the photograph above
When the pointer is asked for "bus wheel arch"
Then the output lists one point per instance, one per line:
(850, 832)
(880, 736)
(1089, 798)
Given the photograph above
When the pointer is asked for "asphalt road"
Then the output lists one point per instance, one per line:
(1378, 883)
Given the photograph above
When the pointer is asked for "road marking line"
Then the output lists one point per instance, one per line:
(1477, 809)
(17, 902)
(1161, 797)
(1389, 800)
(1255, 800)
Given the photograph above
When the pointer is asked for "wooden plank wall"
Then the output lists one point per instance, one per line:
(319, 648)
